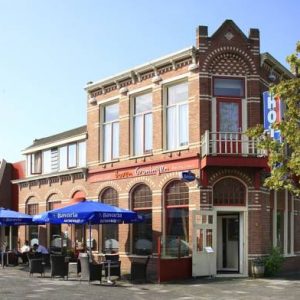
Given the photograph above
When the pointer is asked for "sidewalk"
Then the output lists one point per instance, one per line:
(15, 283)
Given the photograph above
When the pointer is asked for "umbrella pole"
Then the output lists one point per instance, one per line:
(2, 244)
(90, 228)
(10, 237)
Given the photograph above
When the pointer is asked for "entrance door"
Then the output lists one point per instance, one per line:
(204, 243)
(229, 123)
(228, 243)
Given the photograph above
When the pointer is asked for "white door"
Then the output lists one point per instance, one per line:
(204, 243)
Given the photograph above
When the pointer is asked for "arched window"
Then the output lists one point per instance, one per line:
(32, 232)
(54, 230)
(229, 191)
(177, 218)
(141, 199)
(110, 232)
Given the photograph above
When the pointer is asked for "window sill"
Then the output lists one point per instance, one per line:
(141, 156)
(103, 163)
(176, 150)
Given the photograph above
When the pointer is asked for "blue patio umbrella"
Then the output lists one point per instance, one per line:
(13, 218)
(88, 212)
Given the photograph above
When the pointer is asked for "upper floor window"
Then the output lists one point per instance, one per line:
(142, 124)
(110, 124)
(229, 87)
(36, 162)
(177, 116)
(57, 159)
(72, 155)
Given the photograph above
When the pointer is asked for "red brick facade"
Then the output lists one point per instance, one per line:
(228, 53)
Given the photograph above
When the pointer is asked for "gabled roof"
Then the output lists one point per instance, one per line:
(55, 139)
(267, 58)
(232, 24)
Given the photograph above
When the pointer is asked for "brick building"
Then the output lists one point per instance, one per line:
(187, 111)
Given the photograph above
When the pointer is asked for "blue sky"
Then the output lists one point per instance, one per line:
(49, 50)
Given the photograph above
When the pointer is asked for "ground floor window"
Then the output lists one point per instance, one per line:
(142, 241)
(177, 219)
(110, 232)
(33, 230)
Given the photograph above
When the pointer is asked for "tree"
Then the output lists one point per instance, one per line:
(284, 156)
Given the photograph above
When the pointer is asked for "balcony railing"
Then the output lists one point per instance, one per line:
(229, 143)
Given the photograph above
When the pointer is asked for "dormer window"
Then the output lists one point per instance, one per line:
(57, 159)
(36, 163)
(72, 154)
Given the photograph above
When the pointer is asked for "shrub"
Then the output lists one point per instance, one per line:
(273, 262)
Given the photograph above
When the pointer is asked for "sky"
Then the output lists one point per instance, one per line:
(49, 50)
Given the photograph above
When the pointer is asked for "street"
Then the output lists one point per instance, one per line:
(15, 283)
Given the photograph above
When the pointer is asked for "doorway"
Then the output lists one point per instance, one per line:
(228, 242)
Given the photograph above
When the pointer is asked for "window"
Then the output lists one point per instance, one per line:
(36, 162)
(32, 230)
(229, 87)
(57, 159)
(142, 232)
(54, 230)
(72, 155)
(142, 124)
(110, 139)
(229, 191)
(229, 116)
(177, 116)
(110, 232)
(177, 219)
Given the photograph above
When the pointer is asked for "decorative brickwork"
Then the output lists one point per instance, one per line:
(229, 64)
(235, 54)
(230, 172)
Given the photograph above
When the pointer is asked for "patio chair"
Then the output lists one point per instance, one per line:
(115, 265)
(90, 271)
(36, 265)
(139, 269)
(59, 266)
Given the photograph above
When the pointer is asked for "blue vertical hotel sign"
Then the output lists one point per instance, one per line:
(272, 114)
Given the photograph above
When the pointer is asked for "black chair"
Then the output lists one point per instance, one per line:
(90, 271)
(115, 265)
(36, 265)
(139, 269)
(59, 266)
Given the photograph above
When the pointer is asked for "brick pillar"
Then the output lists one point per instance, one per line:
(194, 109)
(124, 127)
(157, 118)
(157, 219)
(93, 128)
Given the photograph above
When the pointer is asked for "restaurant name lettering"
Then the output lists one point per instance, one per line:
(142, 172)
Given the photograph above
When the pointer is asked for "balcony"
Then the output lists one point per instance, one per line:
(231, 149)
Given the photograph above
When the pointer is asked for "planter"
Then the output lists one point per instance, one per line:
(258, 270)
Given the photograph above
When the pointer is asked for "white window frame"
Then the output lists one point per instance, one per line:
(111, 123)
(35, 166)
(143, 115)
(177, 107)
